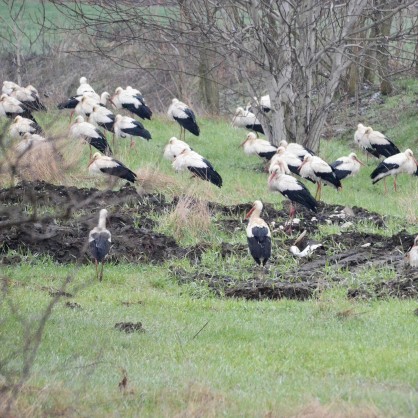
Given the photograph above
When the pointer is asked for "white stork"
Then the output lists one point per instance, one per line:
(22, 125)
(381, 143)
(85, 106)
(132, 100)
(258, 235)
(28, 142)
(411, 257)
(126, 127)
(8, 86)
(257, 146)
(11, 107)
(184, 116)
(84, 87)
(297, 149)
(29, 97)
(103, 117)
(174, 148)
(363, 141)
(288, 186)
(85, 130)
(198, 165)
(246, 119)
(346, 166)
(99, 242)
(403, 162)
(108, 166)
(316, 169)
(293, 161)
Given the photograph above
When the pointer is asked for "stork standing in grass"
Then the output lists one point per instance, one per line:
(380, 143)
(103, 117)
(346, 166)
(131, 100)
(99, 242)
(184, 116)
(246, 119)
(85, 130)
(288, 186)
(21, 125)
(411, 257)
(258, 235)
(404, 162)
(198, 165)
(319, 171)
(257, 146)
(108, 166)
(363, 141)
(126, 127)
(174, 148)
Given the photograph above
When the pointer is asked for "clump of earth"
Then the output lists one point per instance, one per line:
(45, 219)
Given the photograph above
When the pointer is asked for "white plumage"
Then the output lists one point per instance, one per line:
(184, 116)
(132, 100)
(246, 119)
(10, 106)
(293, 162)
(174, 148)
(22, 125)
(7, 87)
(104, 165)
(256, 146)
(198, 165)
(411, 257)
(346, 166)
(103, 117)
(87, 131)
(404, 162)
(306, 252)
(297, 149)
(127, 127)
(84, 87)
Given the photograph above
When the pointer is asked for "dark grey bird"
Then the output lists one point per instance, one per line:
(99, 243)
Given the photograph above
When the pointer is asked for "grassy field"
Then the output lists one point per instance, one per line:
(202, 355)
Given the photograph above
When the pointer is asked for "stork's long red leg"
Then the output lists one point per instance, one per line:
(394, 183)
(97, 271)
(101, 272)
(386, 188)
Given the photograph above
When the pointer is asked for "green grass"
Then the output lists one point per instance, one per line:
(250, 358)
(329, 355)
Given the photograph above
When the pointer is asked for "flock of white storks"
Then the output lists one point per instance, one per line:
(18, 103)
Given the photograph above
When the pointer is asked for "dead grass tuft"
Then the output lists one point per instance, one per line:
(191, 217)
(337, 410)
(151, 180)
(407, 206)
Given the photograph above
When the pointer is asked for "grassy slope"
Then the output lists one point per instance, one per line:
(252, 358)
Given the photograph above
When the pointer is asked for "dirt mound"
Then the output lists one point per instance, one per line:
(55, 220)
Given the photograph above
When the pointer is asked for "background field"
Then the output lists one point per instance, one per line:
(201, 354)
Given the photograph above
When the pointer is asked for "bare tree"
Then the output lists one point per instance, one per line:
(296, 51)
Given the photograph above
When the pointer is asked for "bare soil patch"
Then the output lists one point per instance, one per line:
(65, 215)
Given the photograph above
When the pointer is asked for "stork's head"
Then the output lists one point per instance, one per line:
(280, 150)
(256, 209)
(83, 80)
(353, 156)
(17, 119)
(283, 143)
(250, 137)
(79, 119)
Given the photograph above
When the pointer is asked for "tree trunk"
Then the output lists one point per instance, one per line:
(209, 89)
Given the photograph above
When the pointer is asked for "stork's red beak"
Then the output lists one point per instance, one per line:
(360, 162)
(111, 101)
(303, 163)
(272, 175)
(241, 145)
(250, 212)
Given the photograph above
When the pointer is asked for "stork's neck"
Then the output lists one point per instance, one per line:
(102, 220)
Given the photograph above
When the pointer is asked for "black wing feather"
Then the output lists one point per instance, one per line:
(100, 245)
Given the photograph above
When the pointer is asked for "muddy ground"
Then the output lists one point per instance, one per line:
(63, 216)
